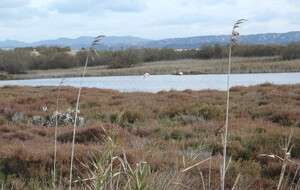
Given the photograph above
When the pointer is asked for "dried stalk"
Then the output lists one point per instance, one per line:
(55, 134)
(233, 39)
(92, 50)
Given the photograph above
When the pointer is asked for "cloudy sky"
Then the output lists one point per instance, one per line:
(34, 20)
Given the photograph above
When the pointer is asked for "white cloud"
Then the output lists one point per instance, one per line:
(13, 3)
(84, 6)
(32, 20)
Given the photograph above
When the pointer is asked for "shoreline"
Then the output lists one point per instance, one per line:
(186, 66)
(32, 76)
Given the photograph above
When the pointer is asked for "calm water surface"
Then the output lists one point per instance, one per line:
(156, 83)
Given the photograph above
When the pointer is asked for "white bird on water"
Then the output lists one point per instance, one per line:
(146, 75)
(180, 73)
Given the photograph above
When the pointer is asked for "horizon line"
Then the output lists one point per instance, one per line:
(143, 38)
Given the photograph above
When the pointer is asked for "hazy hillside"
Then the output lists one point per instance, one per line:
(196, 42)
(119, 42)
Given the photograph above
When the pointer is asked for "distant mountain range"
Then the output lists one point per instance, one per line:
(119, 42)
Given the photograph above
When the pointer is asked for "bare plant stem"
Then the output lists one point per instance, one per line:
(287, 153)
(287, 179)
(297, 183)
(55, 135)
(209, 173)
(226, 123)
(95, 42)
(233, 38)
(236, 181)
(75, 122)
(202, 179)
(294, 178)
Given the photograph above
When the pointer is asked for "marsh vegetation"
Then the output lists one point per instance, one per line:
(170, 131)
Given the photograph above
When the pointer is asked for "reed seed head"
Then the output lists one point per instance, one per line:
(234, 33)
(96, 42)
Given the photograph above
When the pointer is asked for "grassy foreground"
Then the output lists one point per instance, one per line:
(170, 131)
(187, 66)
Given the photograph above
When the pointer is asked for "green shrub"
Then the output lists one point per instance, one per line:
(292, 51)
(272, 170)
(176, 135)
(125, 119)
(101, 117)
(240, 154)
(4, 167)
(2, 121)
(5, 77)
(251, 167)
(260, 130)
(215, 148)
(263, 111)
(84, 135)
(288, 118)
(211, 112)
(261, 143)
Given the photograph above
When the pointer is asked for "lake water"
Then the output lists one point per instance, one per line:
(156, 83)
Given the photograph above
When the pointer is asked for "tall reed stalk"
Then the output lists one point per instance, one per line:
(233, 39)
(55, 133)
(92, 50)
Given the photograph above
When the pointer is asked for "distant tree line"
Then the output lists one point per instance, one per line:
(20, 60)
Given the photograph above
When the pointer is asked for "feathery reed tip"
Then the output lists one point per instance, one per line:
(234, 40)
(234, 33)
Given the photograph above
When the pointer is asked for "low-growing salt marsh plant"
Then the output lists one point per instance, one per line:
(32, 146)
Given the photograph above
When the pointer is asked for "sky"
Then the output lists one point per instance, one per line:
(34, 20)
